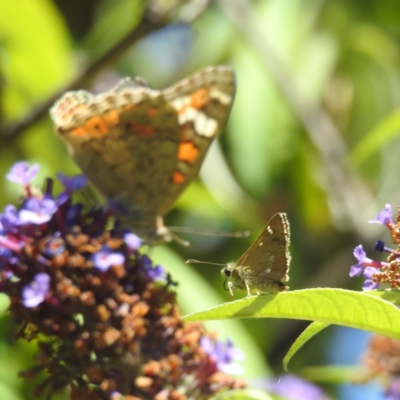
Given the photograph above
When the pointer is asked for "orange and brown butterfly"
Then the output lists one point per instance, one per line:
(264, 267)
(141, 147)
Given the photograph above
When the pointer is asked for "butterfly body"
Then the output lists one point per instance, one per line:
(141, 147)
(264, 267)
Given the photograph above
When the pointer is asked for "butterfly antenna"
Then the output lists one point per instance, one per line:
(191, 261)
(181, 229)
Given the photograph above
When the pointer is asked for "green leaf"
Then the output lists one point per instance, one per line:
(245, 394)
(305, 336)
(122, 16)
(392, 296)
(36, 46)
(388, 129)
(334, 306)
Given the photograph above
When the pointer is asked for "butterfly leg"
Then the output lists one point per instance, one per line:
(248, 289)
(230, 287)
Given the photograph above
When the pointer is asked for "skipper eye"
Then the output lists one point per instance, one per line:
(227, 272)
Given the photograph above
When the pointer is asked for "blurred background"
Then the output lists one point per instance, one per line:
(313, 132)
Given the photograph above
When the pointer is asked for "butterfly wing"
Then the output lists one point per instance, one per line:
(203, 102)
(268, 258)
(141, 147)
(118, 140)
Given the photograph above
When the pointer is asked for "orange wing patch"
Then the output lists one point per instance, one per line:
(96, 127)
(77, 132)
(199, 98)
(188, 152)
(112, 117)
(179, 177)
(196, 100)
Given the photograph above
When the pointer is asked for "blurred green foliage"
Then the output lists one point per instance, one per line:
(313, 132)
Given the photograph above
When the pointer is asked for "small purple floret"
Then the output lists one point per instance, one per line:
(384, 217)
(21, 173)
(37, 211)
(72, 183)
(104, 259)
(369, 284)
(9, 219)
(380, 247)
(359, 254)
(34, 293)
(132, 241)
(223, 354)
(155, 273)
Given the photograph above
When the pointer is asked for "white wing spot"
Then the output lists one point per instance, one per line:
(180, 102)
(261, 244)
(205, 126)
(190, 114)
(221, 96)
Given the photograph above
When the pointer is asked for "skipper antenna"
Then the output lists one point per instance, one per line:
(191, 261)
(181, 229)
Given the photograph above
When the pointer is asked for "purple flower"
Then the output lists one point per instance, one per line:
(367, 267)
(380, 247)
(291, 387)
(155, 273)
(72, 183)
(21, 173)
(37, 211)
(384, 217)
(359, 254)
(223, 355)
(105, 258)
(9, 219)
(369, 284)
(132, 241)
(34, 293)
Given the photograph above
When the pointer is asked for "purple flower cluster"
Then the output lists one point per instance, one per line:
(58, 261)
(42, 215)
(377, 272)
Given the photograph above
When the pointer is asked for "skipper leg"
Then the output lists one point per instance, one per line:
(230, 287)
(248, 289)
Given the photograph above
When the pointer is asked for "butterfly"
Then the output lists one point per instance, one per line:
(264, 266)
(141, 147)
